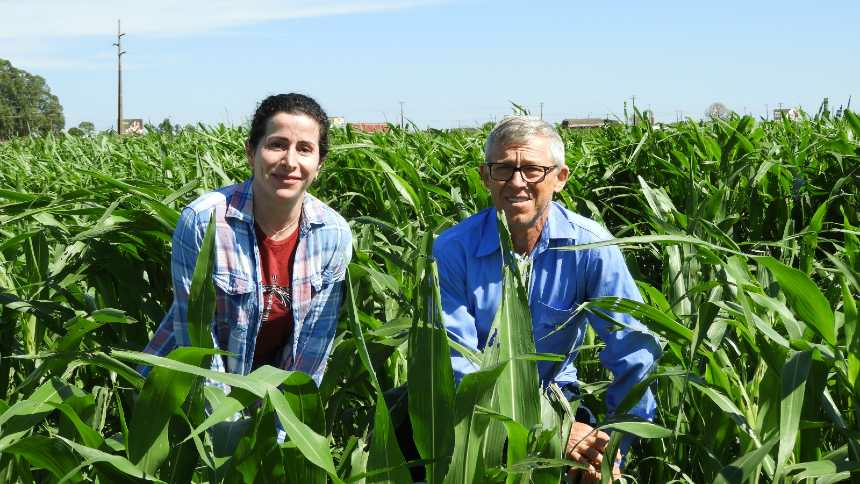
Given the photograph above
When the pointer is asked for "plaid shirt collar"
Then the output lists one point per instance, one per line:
(241, 206)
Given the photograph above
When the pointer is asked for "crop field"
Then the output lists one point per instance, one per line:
(743, 235)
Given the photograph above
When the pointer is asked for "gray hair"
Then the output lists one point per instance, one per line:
(518, 130)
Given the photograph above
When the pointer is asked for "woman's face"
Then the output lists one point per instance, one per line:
(286, 159)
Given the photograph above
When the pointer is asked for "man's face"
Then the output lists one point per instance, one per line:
(525, 203)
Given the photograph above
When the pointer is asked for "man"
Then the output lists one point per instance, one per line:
(524, 168)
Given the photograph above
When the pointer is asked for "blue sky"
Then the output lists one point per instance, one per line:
(453, 63)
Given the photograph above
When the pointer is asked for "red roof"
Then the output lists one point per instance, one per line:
(370, 127)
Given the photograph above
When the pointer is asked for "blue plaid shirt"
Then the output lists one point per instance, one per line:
(322, 255)
(470, 277)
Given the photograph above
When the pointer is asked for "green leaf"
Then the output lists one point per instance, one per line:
(804, 297)
(251, 385)
(517, 442)
(257, 455)
(355, 327)
(430, 377)
(90, 437)
(853, 123)
(385, 454)
(518, 388)
(95, 456)
(23, 415)
(474, 389)
(656, 320)
(645, 430)
(162, 395)
(201, 295)
(794, 375)
(745, 466)
(727, 406)
(810, 239)
(611, 450)
(45, 453)
(311, 444)
(650, 239)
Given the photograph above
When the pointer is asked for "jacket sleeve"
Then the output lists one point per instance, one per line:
(459, 320)
(317, 351)
(630, 352)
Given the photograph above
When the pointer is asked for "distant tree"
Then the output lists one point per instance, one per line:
(87, 128)
(718, 111)
(165, 126)
(26, 104)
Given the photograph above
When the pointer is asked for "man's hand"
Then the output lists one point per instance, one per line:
(586, 445)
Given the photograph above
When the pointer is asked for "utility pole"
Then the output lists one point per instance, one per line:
(119, 53)
(541, 110)
(401, 114)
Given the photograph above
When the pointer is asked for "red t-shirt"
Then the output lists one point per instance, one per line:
(276, 325)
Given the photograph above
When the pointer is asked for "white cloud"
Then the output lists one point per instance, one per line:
(66, 18)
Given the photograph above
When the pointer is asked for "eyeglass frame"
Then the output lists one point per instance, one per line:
(514, 169)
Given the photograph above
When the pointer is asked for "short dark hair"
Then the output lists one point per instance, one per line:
(291, 103)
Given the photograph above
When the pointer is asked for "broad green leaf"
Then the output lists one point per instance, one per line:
(518, 388)
(257, 455)
(385, 462)
(45, 453)
(810, 239)
(474, 389)
(201, 295)
(745, 466)
(23, 415)
(726, 405)
(650, 239)
(430, 377)
(312, 445)
(794, 375)
(517, 434)
(162, 396)
(804, 297)
(358, 464)
(853, 123)
(251, 385)
(95, 456)
(358, 334)
(610, 451)
(792, 326)
(90, 437)
(645, 430)
(384, 453)
(656, 320)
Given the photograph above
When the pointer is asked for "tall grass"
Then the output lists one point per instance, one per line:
(743, 236)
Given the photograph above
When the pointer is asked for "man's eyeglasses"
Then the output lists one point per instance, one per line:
(530, 173)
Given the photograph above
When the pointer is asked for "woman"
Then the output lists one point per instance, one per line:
(280, 254)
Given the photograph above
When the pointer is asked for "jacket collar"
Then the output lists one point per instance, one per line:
(240, 205)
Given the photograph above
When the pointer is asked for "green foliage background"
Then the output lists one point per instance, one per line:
(26, 104)
(742, 234)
